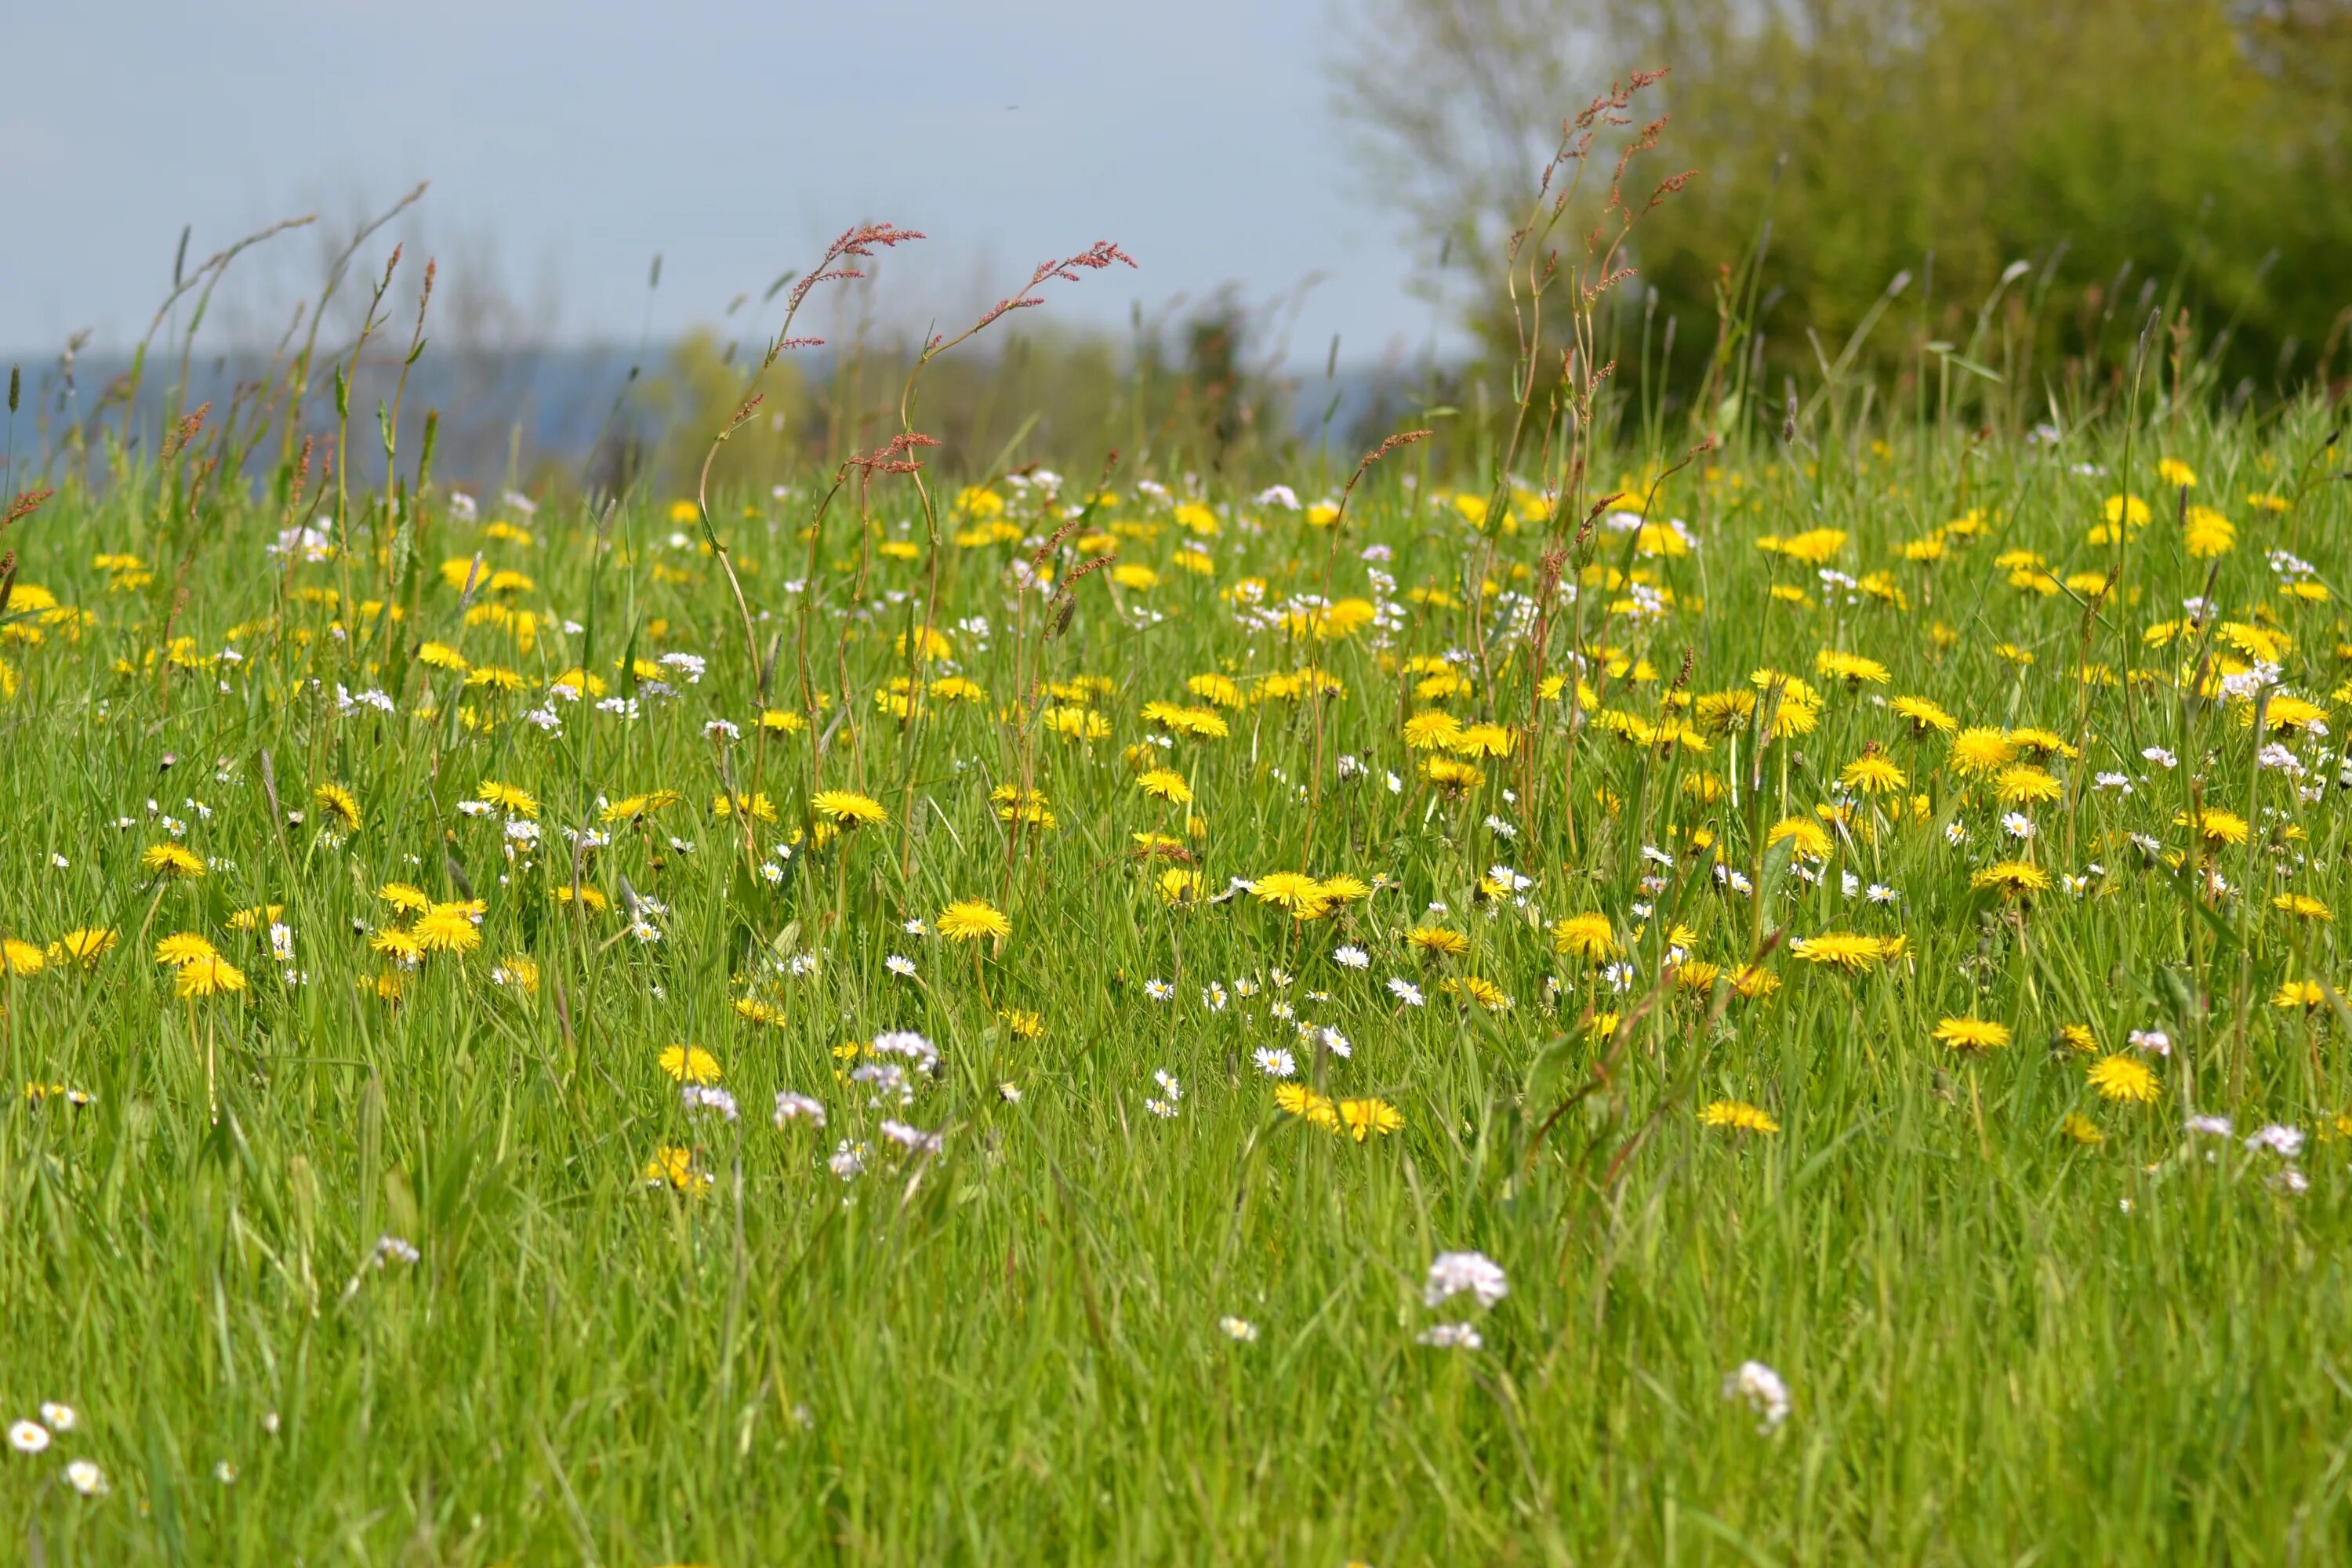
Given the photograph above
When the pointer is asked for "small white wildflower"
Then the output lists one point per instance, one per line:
(1351, 957)
(85, 1477)
(1451, 1337)
(1239, 1329)
(28, 1437)
(791, 1106)
(2207, 1126)
(2284, 1141)
(1405, 991)
(913, 1138)
(57, 1417)
(2155, 1042)
(1762, 1389)
(2160, 756)
(707, 1097)
(1274, 1062)
(1159, 990)
(1453, 1273)
(897, 965)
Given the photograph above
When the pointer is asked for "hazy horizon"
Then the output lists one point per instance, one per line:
(569, 145)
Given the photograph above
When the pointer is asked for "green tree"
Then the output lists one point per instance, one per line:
(2189, 144)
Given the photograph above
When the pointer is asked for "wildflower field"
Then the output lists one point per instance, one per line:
(1782, 1005)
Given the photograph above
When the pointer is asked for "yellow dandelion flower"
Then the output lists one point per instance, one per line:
(1298, 1100)
(1366, 1119)
(688, 1063)
(673, 1168)
(182, 948)
(2022, 784)
(172, 862)
(848, 807)
(404, 898)
(2215, 826)
(448, 928)
(1978, 751)
(1739, 1117)
(2307, 995)
(336, 802)
(1166, 783)
(968, 919)
(1966, 1034)
(2082, 1129)
(2011, 878)
(1847, 950)
(1873, 772)
(1438, 941)
(1294, 891)
(84, 945)
(2124, 1078)
(211, 977)
(1588, 936)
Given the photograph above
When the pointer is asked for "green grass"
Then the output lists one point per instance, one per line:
(2001, 1343)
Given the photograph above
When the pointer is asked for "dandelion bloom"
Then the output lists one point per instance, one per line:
(1481, 741)
(1292, 890)
(968, 919)
(514, 802)
(1848, 951)
(1923, 717)
(2022, 784)
(2082, 1129)
(2125, 1078)
(1455, 778)
(1971, 1034)
(209, 976)
(1166, 783)
(1851, 669)
(333, 800)
(2305, 994)
(848, 807)
(1586, 935)
(1180, 885)
(1804, 836)
(1366, 1119)
(1740, 1116)
(84, 945)
(397, 942)
(182, 948)
(2014, 879)
(404, 898)
(674, 1168)
(1978, 751)
(1342, 889)
(1872, 772)
(172, 862)
(448, 928)
(1439, 941)
(2215, 826)
(690, 1064)
(18, 957)
(1298, 1100)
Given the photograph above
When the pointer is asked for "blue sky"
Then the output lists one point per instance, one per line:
(568, 142)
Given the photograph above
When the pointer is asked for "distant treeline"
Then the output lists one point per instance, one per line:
(2187, 159)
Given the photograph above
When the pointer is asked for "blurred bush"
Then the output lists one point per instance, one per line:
(2182, 156)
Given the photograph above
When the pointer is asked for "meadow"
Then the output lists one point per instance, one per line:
(1771, 997)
